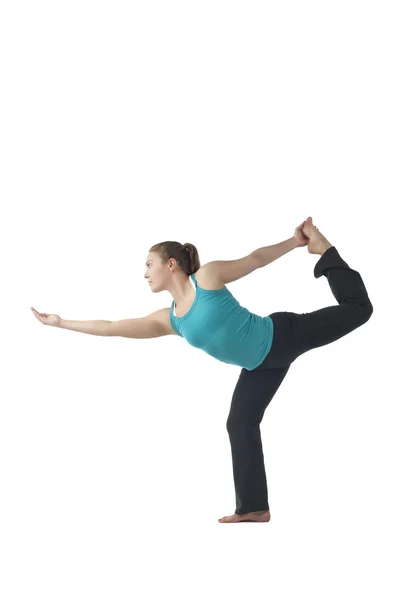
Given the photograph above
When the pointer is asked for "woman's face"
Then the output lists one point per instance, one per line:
(156, 273)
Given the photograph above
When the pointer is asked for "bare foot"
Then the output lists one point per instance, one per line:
(260, 516)
(318, 244)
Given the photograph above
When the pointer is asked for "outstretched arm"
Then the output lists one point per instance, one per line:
(268, 254)
(231, 270)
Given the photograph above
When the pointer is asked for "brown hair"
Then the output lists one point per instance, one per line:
(186, 255)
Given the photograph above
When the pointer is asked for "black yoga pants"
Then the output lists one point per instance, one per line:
(294, 334)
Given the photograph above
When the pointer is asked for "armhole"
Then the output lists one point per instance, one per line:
(171, 318)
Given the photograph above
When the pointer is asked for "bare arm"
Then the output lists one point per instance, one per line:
(156, 324)
(226, 271)
(268, 254)
(92, 327)
(145, 327)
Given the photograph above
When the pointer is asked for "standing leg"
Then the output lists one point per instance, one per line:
(253, 392)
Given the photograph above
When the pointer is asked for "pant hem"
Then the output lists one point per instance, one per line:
(253, 510)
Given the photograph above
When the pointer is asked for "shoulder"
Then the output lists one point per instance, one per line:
(208, 277)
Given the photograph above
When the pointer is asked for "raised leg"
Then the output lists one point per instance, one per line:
(295, 334)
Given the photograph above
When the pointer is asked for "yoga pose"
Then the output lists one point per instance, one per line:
(207, 315)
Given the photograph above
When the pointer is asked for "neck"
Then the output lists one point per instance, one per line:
(180, 290)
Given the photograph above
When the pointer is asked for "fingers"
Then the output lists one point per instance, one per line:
(37, 315)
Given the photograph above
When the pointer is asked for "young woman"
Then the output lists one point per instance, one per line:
(207, 315)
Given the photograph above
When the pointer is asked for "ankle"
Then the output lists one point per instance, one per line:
(324, 247)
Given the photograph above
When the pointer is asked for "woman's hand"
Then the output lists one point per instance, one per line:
(299, 236)
(47, 319)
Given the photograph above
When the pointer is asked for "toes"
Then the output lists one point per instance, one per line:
(230, 519)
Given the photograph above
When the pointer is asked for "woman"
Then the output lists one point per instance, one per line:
(207, 315)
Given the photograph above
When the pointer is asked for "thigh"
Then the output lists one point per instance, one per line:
(297, 333)
(253, 392)
(281, 354)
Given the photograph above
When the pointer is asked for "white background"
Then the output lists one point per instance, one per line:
(223, 124)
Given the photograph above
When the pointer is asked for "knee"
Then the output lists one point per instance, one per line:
(231, 425)
(238, 427)
(364, 312)
(368, 310)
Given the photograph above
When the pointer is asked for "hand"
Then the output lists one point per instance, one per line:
(301, 239)
(47, 319)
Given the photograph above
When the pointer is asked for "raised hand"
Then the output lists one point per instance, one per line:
(301, 239)
(47, 319)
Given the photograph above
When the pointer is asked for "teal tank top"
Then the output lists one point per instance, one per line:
(219, 325)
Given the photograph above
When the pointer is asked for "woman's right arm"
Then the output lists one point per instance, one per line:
(155, 325)
(92, 327)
